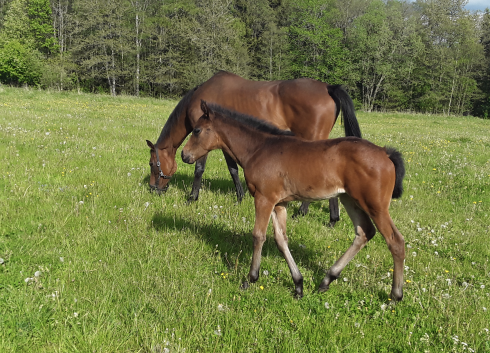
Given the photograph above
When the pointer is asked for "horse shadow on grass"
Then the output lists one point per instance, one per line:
(184, 182)
(235, 250)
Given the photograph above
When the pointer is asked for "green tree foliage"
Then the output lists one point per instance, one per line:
(20, 60)
(481, 106)
(316, 48)
(422, 55)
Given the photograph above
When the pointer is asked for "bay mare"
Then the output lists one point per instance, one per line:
(280, 168)
(306, 107)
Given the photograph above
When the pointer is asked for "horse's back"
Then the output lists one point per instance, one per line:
(301, 105)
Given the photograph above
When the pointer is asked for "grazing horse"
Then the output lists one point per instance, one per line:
(307, 107)
(280, 168)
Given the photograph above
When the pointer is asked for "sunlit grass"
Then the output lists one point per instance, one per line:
(91, 261)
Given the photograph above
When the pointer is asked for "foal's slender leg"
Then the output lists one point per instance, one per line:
(279, 217)
(396, 244)
(263, 210)
(198, 171)
(333, 205)
(364, 229)
(233, 168)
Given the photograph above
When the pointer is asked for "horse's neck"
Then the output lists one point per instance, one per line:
(241, 141)
(174, 136)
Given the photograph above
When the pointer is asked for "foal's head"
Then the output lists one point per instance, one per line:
(203, 138)
(162, 167)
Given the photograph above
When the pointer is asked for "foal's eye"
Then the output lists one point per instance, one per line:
(196, 131)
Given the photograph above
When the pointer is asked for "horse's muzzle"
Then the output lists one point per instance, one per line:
(154, 188)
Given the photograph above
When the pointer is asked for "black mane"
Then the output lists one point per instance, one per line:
(174, 116)
(249, 120)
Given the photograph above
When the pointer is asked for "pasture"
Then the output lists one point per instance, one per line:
(93, 262)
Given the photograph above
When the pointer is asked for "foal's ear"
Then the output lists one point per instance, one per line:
(205, 108)
(150, 144)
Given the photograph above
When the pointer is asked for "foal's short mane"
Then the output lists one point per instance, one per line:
(249, 120)
(174, 116)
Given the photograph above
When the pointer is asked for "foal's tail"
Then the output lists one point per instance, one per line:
(344, 103)
(397, 159)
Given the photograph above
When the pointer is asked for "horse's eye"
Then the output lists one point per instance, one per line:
(196, 131)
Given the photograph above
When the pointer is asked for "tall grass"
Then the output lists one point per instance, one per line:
(92, 262)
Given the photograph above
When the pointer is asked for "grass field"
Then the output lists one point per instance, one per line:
(92, 262)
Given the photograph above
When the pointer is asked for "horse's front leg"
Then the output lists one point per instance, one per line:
(233, 168)
(263, 210)
(279, 217)
(198, 171)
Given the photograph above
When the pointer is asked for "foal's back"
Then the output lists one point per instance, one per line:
(316, 170)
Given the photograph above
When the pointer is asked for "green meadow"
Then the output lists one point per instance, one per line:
(91, 261)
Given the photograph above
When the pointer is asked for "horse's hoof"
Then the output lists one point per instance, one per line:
(332, 224)
(192, 199)
(244, 285)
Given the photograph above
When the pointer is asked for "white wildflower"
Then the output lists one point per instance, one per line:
(37, 273)
(327, 306)
(218, 331)
(266, 273)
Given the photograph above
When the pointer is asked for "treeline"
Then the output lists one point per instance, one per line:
(427, 55)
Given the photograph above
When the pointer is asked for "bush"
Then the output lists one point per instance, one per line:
(20, 64)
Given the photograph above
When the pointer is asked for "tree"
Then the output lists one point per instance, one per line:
(102, 41)
(316, 47)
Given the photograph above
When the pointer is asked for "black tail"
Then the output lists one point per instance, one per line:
(344, 102)
(397, 159)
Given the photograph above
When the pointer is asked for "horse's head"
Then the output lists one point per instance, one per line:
(162, 167)
(203, 138)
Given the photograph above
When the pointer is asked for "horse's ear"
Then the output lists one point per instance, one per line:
(205, 109)
(150, 144)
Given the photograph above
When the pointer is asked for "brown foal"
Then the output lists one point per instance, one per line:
(280, 168)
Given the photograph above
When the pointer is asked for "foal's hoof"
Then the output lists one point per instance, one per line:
(396, 296)
(244, 285)
(323, 288)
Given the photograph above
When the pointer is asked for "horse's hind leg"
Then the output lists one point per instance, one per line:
(364, 229)
(233, 168)
(333, 205)
(198, 171)
(279, 217)
(396, 244)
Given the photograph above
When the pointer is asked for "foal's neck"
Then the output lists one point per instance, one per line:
(240, 141)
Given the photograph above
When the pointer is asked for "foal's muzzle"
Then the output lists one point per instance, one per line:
(186, 158)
